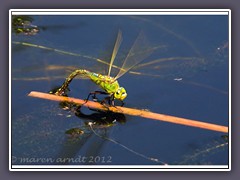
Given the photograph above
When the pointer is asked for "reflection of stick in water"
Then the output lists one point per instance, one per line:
(133, 112)
(125, 147)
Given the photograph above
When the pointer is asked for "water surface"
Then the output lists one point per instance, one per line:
(189, 78)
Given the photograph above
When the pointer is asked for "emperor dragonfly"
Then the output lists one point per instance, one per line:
(138, 52)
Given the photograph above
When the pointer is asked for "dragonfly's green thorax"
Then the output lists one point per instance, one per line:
(109, 84)
(105, 82)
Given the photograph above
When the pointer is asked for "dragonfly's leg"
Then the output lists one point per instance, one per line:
(111, 100)
(93, 94)
(78, 109)
(100, 92)
(86, 100)
(106, 105)
(106, 101)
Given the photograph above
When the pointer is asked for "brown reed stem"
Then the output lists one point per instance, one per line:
(133, 112)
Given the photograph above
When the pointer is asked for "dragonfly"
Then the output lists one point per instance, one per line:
(139, 51)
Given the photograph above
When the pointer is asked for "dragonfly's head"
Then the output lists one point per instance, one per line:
(120, 94)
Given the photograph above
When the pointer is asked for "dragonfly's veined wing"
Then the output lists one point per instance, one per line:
(139, 51)
(115, 50)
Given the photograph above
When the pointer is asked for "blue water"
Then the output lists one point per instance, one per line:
(194, 86)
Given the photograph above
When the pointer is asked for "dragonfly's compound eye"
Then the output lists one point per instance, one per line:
(120, 94)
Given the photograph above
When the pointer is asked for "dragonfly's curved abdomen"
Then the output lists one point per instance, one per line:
(107, 83)
(68, 80)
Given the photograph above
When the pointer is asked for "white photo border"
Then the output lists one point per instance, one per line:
(225, 12)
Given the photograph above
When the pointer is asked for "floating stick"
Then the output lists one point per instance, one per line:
(133, 112)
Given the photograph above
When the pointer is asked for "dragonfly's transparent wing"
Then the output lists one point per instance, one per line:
(115, 50)
(138, 52)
